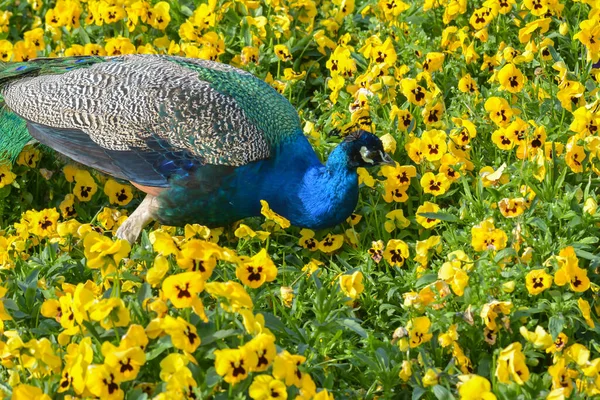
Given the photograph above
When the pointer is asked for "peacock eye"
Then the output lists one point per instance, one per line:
(364, 153)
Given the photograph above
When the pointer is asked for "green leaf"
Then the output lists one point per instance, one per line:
(354, 326)
(589, 240)
(212, 378)
(219, 335)
(163, 344)
(185, 10)
(441, 393)
(502, 254)
(130, 277)
(529, 312)
(426, 280)
(83, 34)
(92, 329)
(367, 361)
(382, 357)
(418, 392)
(555, 56)
(274, 323)
(485, 365)
(145, 292)
(136, 394)
(555, 326)
(590, 85)
(440, 215)
(587, 255)
(5, 191)
(317, 281)
(539, 223)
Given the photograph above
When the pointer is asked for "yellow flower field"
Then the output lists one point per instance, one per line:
(470, 269)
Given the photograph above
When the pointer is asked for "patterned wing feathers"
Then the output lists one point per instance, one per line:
(130, 103)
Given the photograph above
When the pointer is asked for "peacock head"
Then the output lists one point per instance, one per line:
(364, 149)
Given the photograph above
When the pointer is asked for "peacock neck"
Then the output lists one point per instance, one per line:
(293, 181)
(314, 195)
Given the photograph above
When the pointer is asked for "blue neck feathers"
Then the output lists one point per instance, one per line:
(293, 181)
(305, 191)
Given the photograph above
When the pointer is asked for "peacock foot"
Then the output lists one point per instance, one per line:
(132, 227)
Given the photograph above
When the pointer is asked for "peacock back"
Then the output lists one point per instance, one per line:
(145, 118)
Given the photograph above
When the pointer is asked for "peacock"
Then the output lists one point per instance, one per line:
(205, 141)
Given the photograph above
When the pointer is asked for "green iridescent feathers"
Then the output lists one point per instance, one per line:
(44, 66)
(13, 135)
(273, 114)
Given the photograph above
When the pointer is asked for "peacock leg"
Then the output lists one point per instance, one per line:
(132, 227)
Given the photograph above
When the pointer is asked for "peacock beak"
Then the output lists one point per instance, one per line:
(386, 159)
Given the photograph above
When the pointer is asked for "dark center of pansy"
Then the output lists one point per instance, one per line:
(238, 370)
(126, 366)
(183, 291)
(254, 275)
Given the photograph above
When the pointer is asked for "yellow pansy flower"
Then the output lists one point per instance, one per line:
(537, 281)
(351, 284)
(234, 365)
(475, 387)
(263, 345)
(539, 338)
(160, 15)
(110, 312)
(569, 271)
(201, 256)
(28, 392)
(44, 222)
(101, 382)
(499, 110)
(102, 251)
(282, 52)
(396, 252)
(585, 309)
(183, 334)
(29, 156)
(24, 51)
(414, 92)
(118, 46)
(235, 294)
(427, 207)
(433, 61)
(485, 236)
(273, 216)
(395, 220)
(124, 361)
(257, 270)
(85, 186)
(435, 184)
(454, 275)
(118, 193)
(511, 365)
(331, 243)
(6, 50)
(433, 144)
(418, 329)
(183, 289)
(285, 368)
(265, 387)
